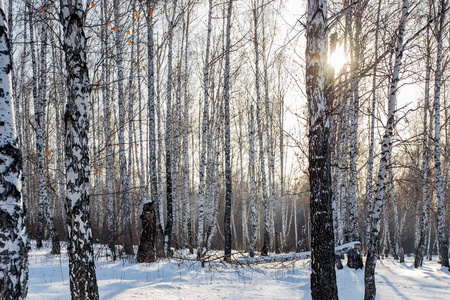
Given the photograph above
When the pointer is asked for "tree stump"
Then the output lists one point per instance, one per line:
(354, 259)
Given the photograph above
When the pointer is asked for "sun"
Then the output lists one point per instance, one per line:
(337, 59)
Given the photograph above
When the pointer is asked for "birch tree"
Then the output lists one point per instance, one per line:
(13, 238)
(355, 45)
(205, 118)
(228, 171)
(124, 178)
(40, 106)
(398, 253)
(83, 281)
(38, 128)
(105, 76)
(147, 245)
(441, 231)
(421, 239)
(323, 276)
(187, 200)
(372, 129)
(266, 240)
(386, 149)
(168, 139)
(251, 171)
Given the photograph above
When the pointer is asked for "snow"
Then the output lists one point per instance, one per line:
(185, 279)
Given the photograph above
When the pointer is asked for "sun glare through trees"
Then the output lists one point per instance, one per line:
(303, 139)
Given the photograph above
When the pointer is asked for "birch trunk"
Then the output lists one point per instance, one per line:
(397, 227)
(159, 203)
(266, 243)
(38, 126)
(441, 232)
(386, 148)
(124, 178)
(244, 202)
(40, 129)
(429, 254)
(353, 229)
(228, 171)
(111, 219)
(205, 119)
(15, 92)
(386, 236)
(175, 147)
(251, 171)
(128, 230)
(372, 131)
(147, 244)
(168, 140)
(270, 159)
(13, 238)
(83, 282)
(342, 177)
(282, 186)
(187, 200)
(420, 249)
(214, 186)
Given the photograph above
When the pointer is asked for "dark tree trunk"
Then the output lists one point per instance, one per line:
(147, 245)
(323, 276)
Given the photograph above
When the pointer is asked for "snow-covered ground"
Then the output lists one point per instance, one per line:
(176, 279)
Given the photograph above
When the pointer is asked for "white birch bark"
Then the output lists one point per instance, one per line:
(13, 237)
(228, 170)
(429, 254)
(441, 230)
(168, 138)
(187, 200)
(107, 136)
(176, 145)
(386, 148)
(372, 131)
(14, 81)
(242, 194)
(159, 203)
(128, 231)
(40, 105)
(124, 178)
(282, 182)
(37, 129)
(143, 170)
(353, 229)
(270, 158)
(251, 171)
(342, 177)
(214, 186)
(266, 240)
(205, 119)
(386, 236)
(83, 282)
(150, 215)
(397, 225)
